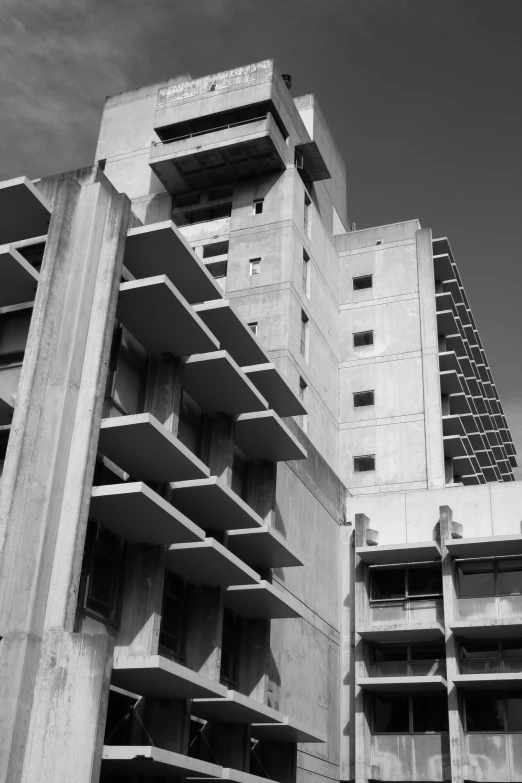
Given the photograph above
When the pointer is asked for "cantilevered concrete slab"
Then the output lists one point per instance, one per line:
(234, 335)
(138, 514)
(25, 212)
(448, 361)
(218, 384)
(236, 776)
(161, 319)
(161, 249)
(144, 760)
(454, 446)
(452, 425)
(490, 546)
(262, 601)
(145, 449)
(157, 677)
(446, 322)
(450, 382)
(443, 267)
(489, 682)
(426, 684)
(406, 632)
(235, 708)
(262, 547)
(211, 504)
(399, 553)
(209, 563)
(291, 731)
(275, 389)
(263, 436)
(18, 279)
(487, 628)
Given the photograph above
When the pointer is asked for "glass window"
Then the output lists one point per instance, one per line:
(128, 375)
(173, 615)
(304, 333)
(258, 206)
(414, 582)
(391, 714)
(388, 583)
(479, 649)
(253, 326)
(428, 652)
(255, 266)
(484, 711)
(512, 648)
(364, 463)
(361, 399)
(390, 653)
(362, 338)
(364, 281)
(425, 581)
(513, 708)
(101, 568)
(306, 260)
(239, 472)
(429, 715)
(476, 578)
(509, 576)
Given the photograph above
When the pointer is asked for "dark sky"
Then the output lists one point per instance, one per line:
(422, 96)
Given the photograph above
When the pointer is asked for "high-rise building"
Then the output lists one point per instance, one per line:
(259, 519)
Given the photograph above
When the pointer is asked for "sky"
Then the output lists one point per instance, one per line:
(422, 97)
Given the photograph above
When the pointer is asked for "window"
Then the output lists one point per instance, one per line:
(397, 660)
(306, 273)
(405, 582)
(215, 249)
(190, 423)
(364, 463)
(410, 714)
(230, 648)
(362, 399)
(364, 281)
(493, 711)
(127, 375)
(502, 576)
(307, 205)
(478, 656)
(258, 206)
(253, 326)
(173, 616)
(255, 266)
(362, 338)
(302, 388)
(202, 215)
(304, 334)
(99, 586)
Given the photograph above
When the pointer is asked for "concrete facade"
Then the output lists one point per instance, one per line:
(254, 467)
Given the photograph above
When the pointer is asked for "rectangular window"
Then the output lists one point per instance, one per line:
(415, 714)
(255, 266)
(253, 326)
(173, 616)
(364, 463)
(306, 273)
(405, 582)
(127, 375)
(304, 334)
(307, 205)
(215, 249)
(230, 648)
(478, 578)
(190, 423)
(362, 338)
(487, 656)
(485, 711)
(361, 282)
(202, 215)
(99, 588)
(258, 206)
(364, 398)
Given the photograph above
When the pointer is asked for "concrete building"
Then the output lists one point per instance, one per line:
(258, 512)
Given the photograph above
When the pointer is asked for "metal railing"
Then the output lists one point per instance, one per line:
(210, 130)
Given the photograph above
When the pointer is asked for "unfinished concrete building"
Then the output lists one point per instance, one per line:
(258, 512)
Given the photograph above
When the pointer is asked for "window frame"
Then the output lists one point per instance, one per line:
(253, 326)
(407, 596)
(305, 282)
(364, 344)
(110, 402)
(365, 404)
(254, 266)
(255, 204)
(500, 692)
(231, 682)
(500, 658)
(93, 545)
(363, 287)
(409, 697)
(495, 571)
(304, 335)
(364, 456)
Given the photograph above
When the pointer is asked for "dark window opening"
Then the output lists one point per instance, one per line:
(101, 570)
(252, 325)
(493, 711)
(419, 714)
(304, 333)
(202, 215)
(215, 249)
(302, 388)
(127, 376)
(306, 273)
(190, 423)
(411, 660)
(364, 398)
(485, 656)
(307, 206)
(230, 648)
(363, 338)
(258, 206)
(364, 463)
(405, 582)
(361, 282)
(14, 329)
(479, 578)
(173, 616)
(255, 266)
(120, 717)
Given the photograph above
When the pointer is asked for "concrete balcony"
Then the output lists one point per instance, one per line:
(490, 546)
(161, 249)
(235, 708)
(263, 436)
(25, 212)
(145, 449)
(234, 335)
(136, 761)
(138, 514)
(401, 685)
(488, 682)
(18, 279)
(290, 731)
(209, 563)
(261, 601)
(161, 319)
(218, 385)
(262, 548)
(424, 551)
(156, 677)
(219, 157)
(275, 389)
(402, 632)
(211, 504)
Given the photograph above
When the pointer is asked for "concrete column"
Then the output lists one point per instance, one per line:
(346, 679)
(50, 462)
(205, 625)
(430, 361)
(163, 397)
(363, 738)
(221, 448)
(142, 592)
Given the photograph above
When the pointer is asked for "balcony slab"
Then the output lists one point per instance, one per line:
(488, 682)
(263, 547)
(275, 389)
(219, 385)
(146, 761)
(426, 684)
(18, 279)
(211, 504)
(399, 553)
(156, 677)
(235, 708)
(450, 382)
(487, 628)
(234, 335)
(25, 212)
(138, 514)
(412, 632)
(489, 546)
(262, 601)
(209, 563)
(161, 319)
(291, 731)
(264, 437)
(161, 249)
(145, 449)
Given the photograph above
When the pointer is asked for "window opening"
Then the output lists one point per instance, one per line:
(202, 215)
(190, 423)
(361, 282)
(127, 375)
(405, 582)
(307, 205)
(253, 326)
(480, 578)
(414, 714)
(230, 648)
(493, 711)
(173, 616)
(364, 398)
(306, 273)
(364, 463)
(304, 334)
(302, 388)
(101, 568)
(485, 656)
(223, 191)
(255, 266)
(239, 472)
(258, 206)
(362, 338)
(411, 660)
(14, 330)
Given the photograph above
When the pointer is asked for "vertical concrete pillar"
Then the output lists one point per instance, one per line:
(430, 361)
(221, 448)
(346, 679)
(140, 622)
(163, 397)
(50, 462)
(363, 740)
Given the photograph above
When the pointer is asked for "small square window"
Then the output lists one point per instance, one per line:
(253, 326)
(255, 266)
(362, 338)
(362, 399)
(364, 463)
(361, 282)
(258, 206)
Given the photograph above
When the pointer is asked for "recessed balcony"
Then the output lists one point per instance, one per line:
(211, 504)
(235, 708)
(209, 563)
(136, 761)
(161, 319)
(234, 335)
(219, 156)
(290, 731)
(261, 548)
(264, 437)
(25, 212)
(219, 385)
(18, 279)
(275, 389)
(145, 449)
(156, 677)
(261, 601)
(161, 249)
(138, 514)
